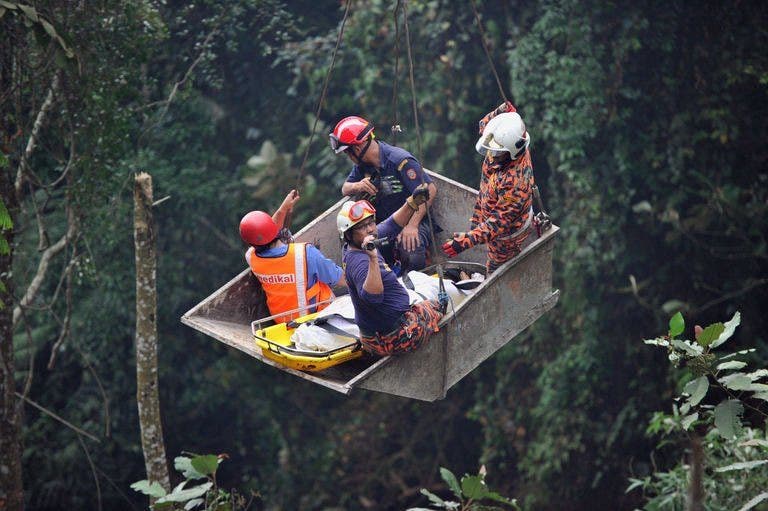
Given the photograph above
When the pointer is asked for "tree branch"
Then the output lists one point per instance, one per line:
(54, 416)
(33, 137)
(42, 267)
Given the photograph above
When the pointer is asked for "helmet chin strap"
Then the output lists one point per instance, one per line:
(359, 158)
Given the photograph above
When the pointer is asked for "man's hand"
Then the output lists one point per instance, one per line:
(459, 243)
(419, 196)
(365, 186)
(371, 253)
(409, 238)
(290, 200)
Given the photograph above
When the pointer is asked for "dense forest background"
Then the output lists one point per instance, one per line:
(648, 122)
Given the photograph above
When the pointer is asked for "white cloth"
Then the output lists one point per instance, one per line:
(341, 314)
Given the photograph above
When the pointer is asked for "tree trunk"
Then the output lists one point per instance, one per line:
(11, 489)
(696, 484)
(146, 334)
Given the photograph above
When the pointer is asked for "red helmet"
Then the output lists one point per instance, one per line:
(258, 228)
(352, 130)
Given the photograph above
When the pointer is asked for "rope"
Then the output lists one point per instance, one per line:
(442, 293)
(487, 52)
(322, 94)
(395, 125)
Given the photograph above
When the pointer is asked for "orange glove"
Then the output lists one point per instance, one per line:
(459, 243)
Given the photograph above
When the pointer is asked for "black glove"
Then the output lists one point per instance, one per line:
(419, 196)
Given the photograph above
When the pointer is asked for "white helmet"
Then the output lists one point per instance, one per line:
(505, 132)
(352, 213)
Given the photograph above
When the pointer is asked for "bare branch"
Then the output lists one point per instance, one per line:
(54, 416)
(93, 471)
(105, 398)
(33, 137)
(227, 240)
(167, 102)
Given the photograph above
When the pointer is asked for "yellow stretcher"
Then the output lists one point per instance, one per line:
(276, 344)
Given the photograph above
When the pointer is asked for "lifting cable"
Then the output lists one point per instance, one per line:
(442, 295)
(395, 128)
(323, 92)
(487, 52)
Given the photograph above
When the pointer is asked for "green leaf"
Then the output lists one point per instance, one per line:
(710, 334)
(731, 364)
(697, 389)
(761, 395)
(451, 481)
(2, 11)
(206, 464)
(473, 487)
(727, 418)
(30, 11)
(153, 490)
(730, 327)
(9, 5)
(742, 465)
(183, 495)
(676, 325)
(184, 465)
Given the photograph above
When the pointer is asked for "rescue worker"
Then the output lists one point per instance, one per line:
(503, 213)
(388, 324)
(386, 175)
(293, 275)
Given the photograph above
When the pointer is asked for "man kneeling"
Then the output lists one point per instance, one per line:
(388, 324)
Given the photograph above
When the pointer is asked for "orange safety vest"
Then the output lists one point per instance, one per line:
(284, 280)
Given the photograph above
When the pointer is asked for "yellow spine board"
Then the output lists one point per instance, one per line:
(275, 343)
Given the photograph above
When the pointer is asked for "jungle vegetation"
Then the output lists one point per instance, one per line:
(648, 124)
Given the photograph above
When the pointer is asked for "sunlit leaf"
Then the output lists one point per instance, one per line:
(693, 350)
(697, 389)
(729, 328)
(754, 501)
(153, 490)
(738, 381)
(742, 465)
(186, 494)
(689, 419)
(451, 481)
(731, 364)
(184, 465)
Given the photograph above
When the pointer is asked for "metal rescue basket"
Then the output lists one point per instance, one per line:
(507, 302)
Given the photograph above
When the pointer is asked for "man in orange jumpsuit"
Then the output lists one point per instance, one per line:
(503, 211)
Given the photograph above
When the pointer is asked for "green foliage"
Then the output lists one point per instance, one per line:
(731, 446)
(470, 493)
(207, 496)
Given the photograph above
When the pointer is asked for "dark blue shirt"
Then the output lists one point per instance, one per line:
(400, 173)
(375, 312)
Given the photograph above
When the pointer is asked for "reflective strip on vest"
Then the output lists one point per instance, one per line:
(300, 264)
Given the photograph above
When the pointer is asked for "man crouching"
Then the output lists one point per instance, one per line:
(388, 324)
